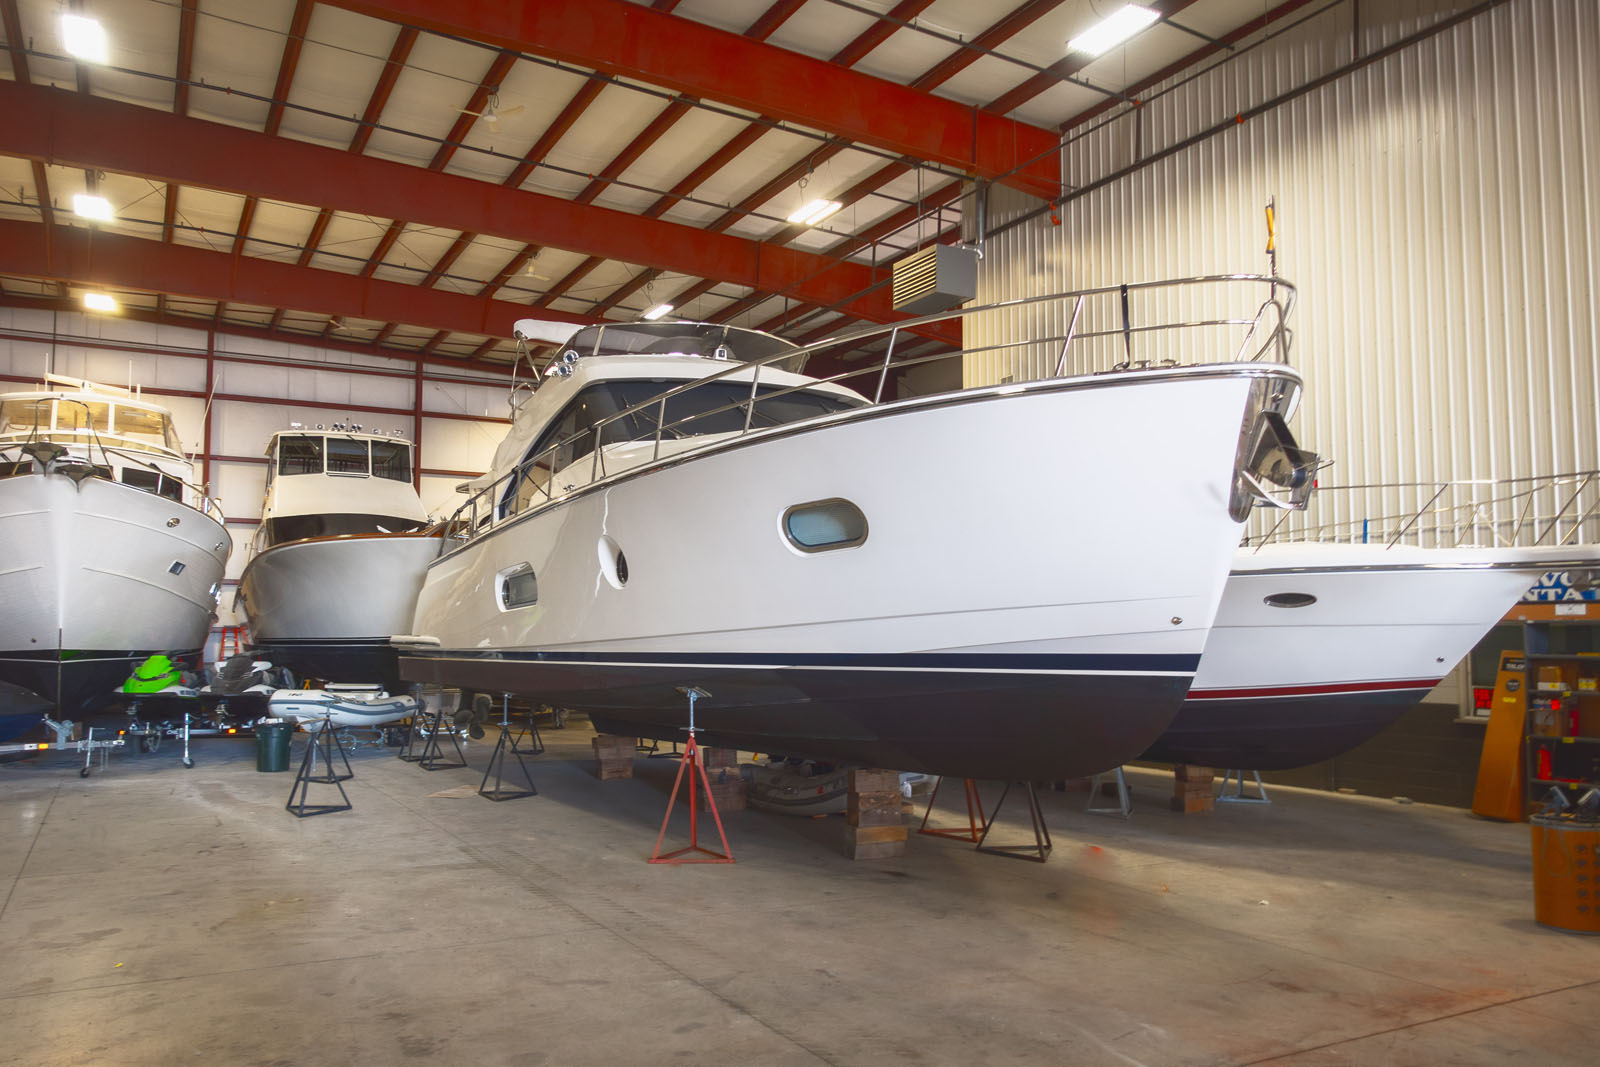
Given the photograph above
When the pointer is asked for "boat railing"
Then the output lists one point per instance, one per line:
(1558, 509)
(199, 497)
(1105, 329)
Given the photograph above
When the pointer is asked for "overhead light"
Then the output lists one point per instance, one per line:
(99, 302)
(659, 311)
(1113, 30)
(92, 207)
(815, 212)
(84, 37)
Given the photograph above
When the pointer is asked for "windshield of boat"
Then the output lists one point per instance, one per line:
(301, 527)
(707, 339)
(67, 420)
(315, 454)
(710, 408)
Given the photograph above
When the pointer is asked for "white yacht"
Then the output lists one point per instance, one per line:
(339, 555)
(1319, 647)
(1009, 581)
(113, 553)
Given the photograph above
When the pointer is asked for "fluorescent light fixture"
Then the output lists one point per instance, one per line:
(84, 37)
(92, 207)
(1112, 30)
(657, 312)
(815, 212)
(99, 302)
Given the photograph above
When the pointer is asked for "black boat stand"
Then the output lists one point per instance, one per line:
(1039, 851)
(328, 741)
(497, 762)
(433, 756)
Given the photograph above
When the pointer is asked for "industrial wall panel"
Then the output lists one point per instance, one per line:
(1437, 210)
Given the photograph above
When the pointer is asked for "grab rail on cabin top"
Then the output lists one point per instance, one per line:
(1557, 509)
(1263, 333)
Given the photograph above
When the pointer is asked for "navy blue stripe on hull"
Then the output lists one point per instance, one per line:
(982, 723)
(1274, 734)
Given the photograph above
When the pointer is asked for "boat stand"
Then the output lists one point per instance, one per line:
(497, 762)
(408, 750)
(1039, 851)
(1124, 801)
(693, 852)
(326, 740)
(1239, 796)
(433, 756)
(977, 824)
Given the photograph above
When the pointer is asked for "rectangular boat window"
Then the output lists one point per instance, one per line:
(8, 470)
(83, 415)
(149, 427)
(392, 460)
(299, 455)
(346, 456)
(152, 482)
(24, 417)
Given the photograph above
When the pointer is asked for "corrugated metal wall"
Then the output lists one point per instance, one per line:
(1439, 210)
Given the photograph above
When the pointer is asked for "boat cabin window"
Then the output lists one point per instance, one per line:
(149, 427)
(713, 408)
(346, 456)
(391, 460)
(153, 481)
(23, 417)
(83, 415)
(300, 527)
(299, 455)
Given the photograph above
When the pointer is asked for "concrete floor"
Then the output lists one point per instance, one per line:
(155, 915)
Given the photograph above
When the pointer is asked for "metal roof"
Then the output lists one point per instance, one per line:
(410, 177)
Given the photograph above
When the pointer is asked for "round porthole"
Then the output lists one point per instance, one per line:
(613, 564)
(1289, 600)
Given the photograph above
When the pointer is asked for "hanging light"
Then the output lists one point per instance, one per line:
(94, 207)
(1113, 30)
(99, 301)
(84, 38)
(657, 312)
(815, 212)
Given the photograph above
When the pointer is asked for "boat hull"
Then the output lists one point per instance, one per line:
(987, 625)
(326, 607)
(1282, 687)
(100, 576)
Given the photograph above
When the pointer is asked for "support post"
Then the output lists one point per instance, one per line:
(875, 828)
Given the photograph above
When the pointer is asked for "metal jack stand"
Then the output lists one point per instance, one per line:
(1239, 796)
(408, 750)
(497, 762)
(328, 742)
(188, 760)
(433, 755)
(1124, 802)
(977, 824)
(691, 763)
(1039, 851)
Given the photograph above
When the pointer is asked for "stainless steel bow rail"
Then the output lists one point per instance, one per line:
(1102, 330)
(1557, 509)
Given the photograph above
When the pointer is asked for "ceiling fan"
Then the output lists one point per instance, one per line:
(493, 112)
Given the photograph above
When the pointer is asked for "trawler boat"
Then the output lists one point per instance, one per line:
(113, 553)
(947, 584)
(1319, 647)
(339, 555)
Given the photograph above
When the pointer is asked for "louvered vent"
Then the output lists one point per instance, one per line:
(935, 279)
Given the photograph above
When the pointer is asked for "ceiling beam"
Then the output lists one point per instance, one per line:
(55, 126)
(627, 40)
(83, 256)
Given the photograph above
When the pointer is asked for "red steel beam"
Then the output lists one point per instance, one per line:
(963, 57)
(85, 256)
(280, 93)
(622, 38)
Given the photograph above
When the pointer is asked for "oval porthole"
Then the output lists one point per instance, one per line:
(824, 525)
(1289, 600)
(613, 564)
(519, 587)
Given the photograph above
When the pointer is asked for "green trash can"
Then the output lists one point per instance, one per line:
(272, 744)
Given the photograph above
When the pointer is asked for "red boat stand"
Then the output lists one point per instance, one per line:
(977, 822)
(693, 852)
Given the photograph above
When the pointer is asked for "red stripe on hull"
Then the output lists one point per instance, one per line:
(1263, 692)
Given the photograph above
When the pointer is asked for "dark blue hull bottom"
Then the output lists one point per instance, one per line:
(371, 660)
(978, 723)
(1277, 733)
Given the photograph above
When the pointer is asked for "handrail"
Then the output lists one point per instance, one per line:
(1268, 324)
(1554, 509)
(204, 503)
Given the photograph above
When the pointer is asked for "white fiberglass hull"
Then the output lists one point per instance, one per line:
(1283, 686)
(98, 576)
(326, 607)
(1007, 615)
